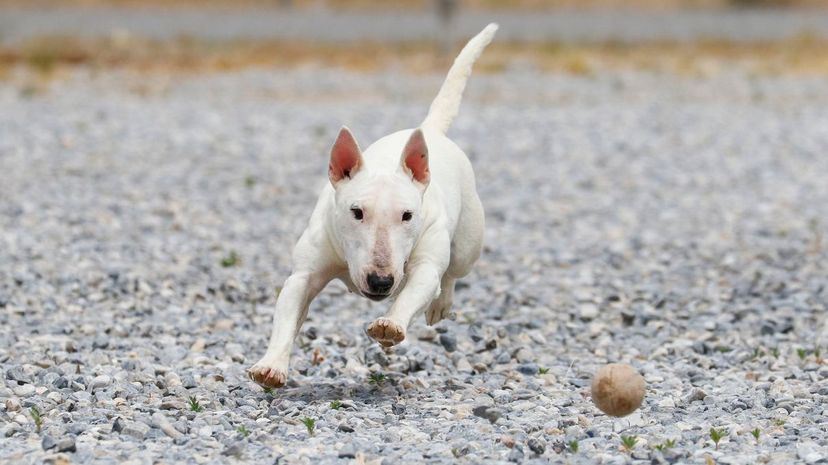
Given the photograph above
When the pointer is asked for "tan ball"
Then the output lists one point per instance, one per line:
(617, 389)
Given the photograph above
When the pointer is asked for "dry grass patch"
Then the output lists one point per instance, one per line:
(47, 56)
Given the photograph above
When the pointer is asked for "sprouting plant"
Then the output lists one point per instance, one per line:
(455, 452)
(310, 424)
(543, 371)
(779, 422)
(629, 442)
(818, 355)
(249, 181)
(667, 444)
(268, 391)
(232, 259)
(573, 446)
(757, 352)
(801, 353)
(195, 406)
(336, 404)
(716, 435)
(775, 352)
(377, 378)
(38, 419)
(755, 433)
(243, 431)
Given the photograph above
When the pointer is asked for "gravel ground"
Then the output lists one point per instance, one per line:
(675, 224)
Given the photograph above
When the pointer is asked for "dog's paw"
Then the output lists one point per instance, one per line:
(266, 376)
(437, 312)
(386, 332)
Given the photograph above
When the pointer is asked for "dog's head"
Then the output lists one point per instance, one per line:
(378, 215)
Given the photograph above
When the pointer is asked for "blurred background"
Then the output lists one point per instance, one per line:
(572, 36)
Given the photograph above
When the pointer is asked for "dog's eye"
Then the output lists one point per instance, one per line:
(406, 216)
(357, 213)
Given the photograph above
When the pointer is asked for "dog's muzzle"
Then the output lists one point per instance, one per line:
(379, 287)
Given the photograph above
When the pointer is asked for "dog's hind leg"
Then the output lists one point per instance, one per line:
(441, 306)
(465, 250)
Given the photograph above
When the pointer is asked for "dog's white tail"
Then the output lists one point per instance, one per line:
(447, 103)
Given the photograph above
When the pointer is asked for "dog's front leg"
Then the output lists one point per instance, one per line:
(423, 285)
(291, 311)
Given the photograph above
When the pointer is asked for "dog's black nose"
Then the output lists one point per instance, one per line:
(380, 284)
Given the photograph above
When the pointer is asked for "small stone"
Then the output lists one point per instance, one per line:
(188, 381)
(172, 379)
(507, 441)
(488, 413)
(100, 382)
(463, 365)
(118, 425)
(695, 395)
(48, 442)
(198, 345)
(160, 421)
(501, 396)
(172, 403)
(17, 374)
(234, 450)
(528, 368)
(810, 452)
(135, 429)
(524, 355)
(66, 444)
(24, 390)
(12, 405)
(448, 341)
(345, 428)
(588, 311)
(427, 333)
(537, 446)
(667, 403)
(347, 452)
(515, 455)
(224, 324)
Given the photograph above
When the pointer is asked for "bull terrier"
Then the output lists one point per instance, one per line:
(401, 219)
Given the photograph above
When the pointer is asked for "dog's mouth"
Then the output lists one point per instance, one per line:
(376, 297)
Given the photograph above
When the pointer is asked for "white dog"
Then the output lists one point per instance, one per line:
(401, 219)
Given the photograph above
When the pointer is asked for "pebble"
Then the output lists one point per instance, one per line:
(12, 405)
(100, 382)
(24, 390)
(528, 369)
(538, 446)
(346, 452)
(135, 429)
(588, 311)
(489, 413)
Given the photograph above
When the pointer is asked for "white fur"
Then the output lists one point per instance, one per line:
(446, 105)
(424, 255)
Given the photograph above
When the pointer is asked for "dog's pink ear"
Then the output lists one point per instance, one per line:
(414, 159)
(346, 158)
